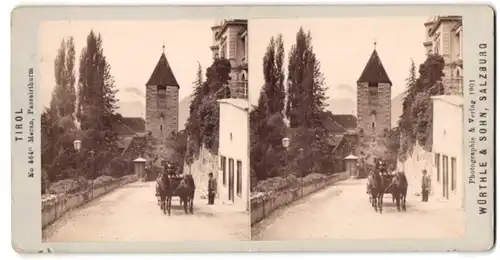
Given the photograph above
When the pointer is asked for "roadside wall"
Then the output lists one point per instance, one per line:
(264, 204)
(55, 206)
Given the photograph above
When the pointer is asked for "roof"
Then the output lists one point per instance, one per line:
(124, 142)
(135, 143)
(437, 20)
(237, 102)
(162, 74)
(456, 100)
(351, 157)
(340, 123)
(130, 125)
(139, 159)
(374, 71)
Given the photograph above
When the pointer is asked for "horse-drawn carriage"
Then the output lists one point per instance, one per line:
(382, 181)
(170, 184)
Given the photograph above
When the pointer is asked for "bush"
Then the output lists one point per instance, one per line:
(103, 181)
(68, 186)
(117, 167)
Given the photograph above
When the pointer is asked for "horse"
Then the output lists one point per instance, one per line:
(399, 189)
(165, 193)
(376, 190)
(186, 191)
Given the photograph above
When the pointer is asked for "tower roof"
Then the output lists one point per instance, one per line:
(374, 71)
(162, 74)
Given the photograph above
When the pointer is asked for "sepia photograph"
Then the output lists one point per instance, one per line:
(167, 129)
(144, 130)
(356, 128)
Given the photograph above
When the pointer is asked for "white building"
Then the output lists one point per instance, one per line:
(234, 172)
(230, 41)
(444, 37)
(448, 148)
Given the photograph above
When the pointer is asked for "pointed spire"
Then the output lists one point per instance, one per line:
(375, 44)
(163, 46)
(162, 74)
(374, 71)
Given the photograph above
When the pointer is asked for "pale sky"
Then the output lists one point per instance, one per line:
(343, 46)
(133, 49)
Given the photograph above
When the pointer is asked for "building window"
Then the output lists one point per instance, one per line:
(445, 177)
(453, 173)
(239, 181)
(161, 90)
(223, 168)
(223, 51)
(437, 162)
(437, 47)
(231, 180)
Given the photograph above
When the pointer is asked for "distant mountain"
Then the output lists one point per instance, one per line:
(341, 106)
(184, 111)
(131, 109)
(396, 109)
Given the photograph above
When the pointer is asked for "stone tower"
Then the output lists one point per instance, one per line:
(374, 109)
(162, 105)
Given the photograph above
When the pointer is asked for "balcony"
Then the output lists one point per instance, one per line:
(239, 89)
(453, 86)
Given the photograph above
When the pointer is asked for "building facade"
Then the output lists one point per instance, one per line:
(230, 41)
(162, 106)
(234, 169)
(444, 36)
(448, 148)
(373, 109)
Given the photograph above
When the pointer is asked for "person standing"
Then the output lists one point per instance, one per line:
(212, 188)
(426, 186)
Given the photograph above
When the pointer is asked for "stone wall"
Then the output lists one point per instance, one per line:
(54, 207)
(417, 161)
(201, 167)
(166, 102)
(264, 204)
(372, 138)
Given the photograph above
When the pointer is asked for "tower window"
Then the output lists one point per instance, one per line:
(373, 124)
(161, 127)
(161, 90)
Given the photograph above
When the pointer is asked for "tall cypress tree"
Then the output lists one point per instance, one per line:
(193, 121)
(405, 120)
(306, 88)
(97, 102)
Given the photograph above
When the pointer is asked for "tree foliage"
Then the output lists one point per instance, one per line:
(203, 122)
(415, 122)
(63, 101)
(303, 102)
(97, 102)
(95, 111)
(193, 122)
(266, 120)
(305, 84)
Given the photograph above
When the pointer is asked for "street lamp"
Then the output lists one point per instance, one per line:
(77, 144)
(286, 142)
